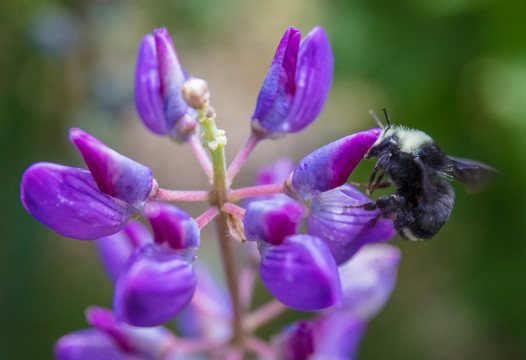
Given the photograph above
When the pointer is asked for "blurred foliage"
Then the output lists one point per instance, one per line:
(455, 69)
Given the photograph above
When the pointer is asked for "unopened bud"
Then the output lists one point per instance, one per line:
(195, 93)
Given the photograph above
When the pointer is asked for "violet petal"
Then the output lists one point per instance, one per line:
(368, 279)
(297, 84)
(67, 200)
(115, 249)
(345, 229)
(179, 123)
(156, 285)
(272, 220)
(301, 273)
(337, 336)
(115, 174)
(337, 159)
(148, 99)
(172, 225)
(313, 79)
(296, 341)
(90, 344)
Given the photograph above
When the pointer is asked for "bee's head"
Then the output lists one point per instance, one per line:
(387, 141)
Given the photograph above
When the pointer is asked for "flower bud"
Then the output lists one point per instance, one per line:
(343, 228)
(159, 79)
(272, 220)
(195, 93)
(172, 225)
(296, 86)
(301, 273)
(115, 174)
(109, 340)
(296, 341)
(68, 200)
(329, 166)
(156, 285)
(114, 250)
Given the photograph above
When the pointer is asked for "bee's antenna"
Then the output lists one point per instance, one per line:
(373, 114)
(387, 119)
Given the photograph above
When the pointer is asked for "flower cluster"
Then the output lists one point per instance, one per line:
(331, 265)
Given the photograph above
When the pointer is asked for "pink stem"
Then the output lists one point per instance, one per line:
(234, 210)
(242, 156)
(263, 315)
(256, 190)
(206, 217)
(176, 195)
(260, 347)
(201, 154)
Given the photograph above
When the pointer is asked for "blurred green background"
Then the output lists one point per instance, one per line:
(454, 68)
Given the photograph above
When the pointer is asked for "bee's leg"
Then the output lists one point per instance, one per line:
(393, 201)
(366, 206)
(383, 203)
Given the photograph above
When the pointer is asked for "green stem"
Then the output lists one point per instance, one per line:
(215, 140)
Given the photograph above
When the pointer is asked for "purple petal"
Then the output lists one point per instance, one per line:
(172, 77)
(278, 86)
(115, 174)
(210, 311)
(337, 336)
(115, 249)
(148, 99)
(368, 279)
(296, 341)
(345, 229)
(272, 220)
(172, 225)
(330, 166)
(90, 344)
(301, 273)
(156, 285)
(296, 85)
(67, 200)
(313, 79)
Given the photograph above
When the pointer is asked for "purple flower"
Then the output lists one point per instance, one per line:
(158, 280)
(337, 159)
(367, 281)
(116, 175)
(114, 250)
(331, 216)
(296, 86)
(172, 225)
(68, 200)
(301, 273)
(84, 204)
(272, 220)
(296, 341)
(328, 336)
(108, 340)
(159, 79)
(343, 228)
(156, 284)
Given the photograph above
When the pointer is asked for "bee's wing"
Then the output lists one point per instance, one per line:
(473, 174)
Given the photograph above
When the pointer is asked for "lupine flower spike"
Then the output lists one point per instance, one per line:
(300, 228)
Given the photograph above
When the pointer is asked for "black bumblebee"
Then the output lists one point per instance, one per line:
(412, 161)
